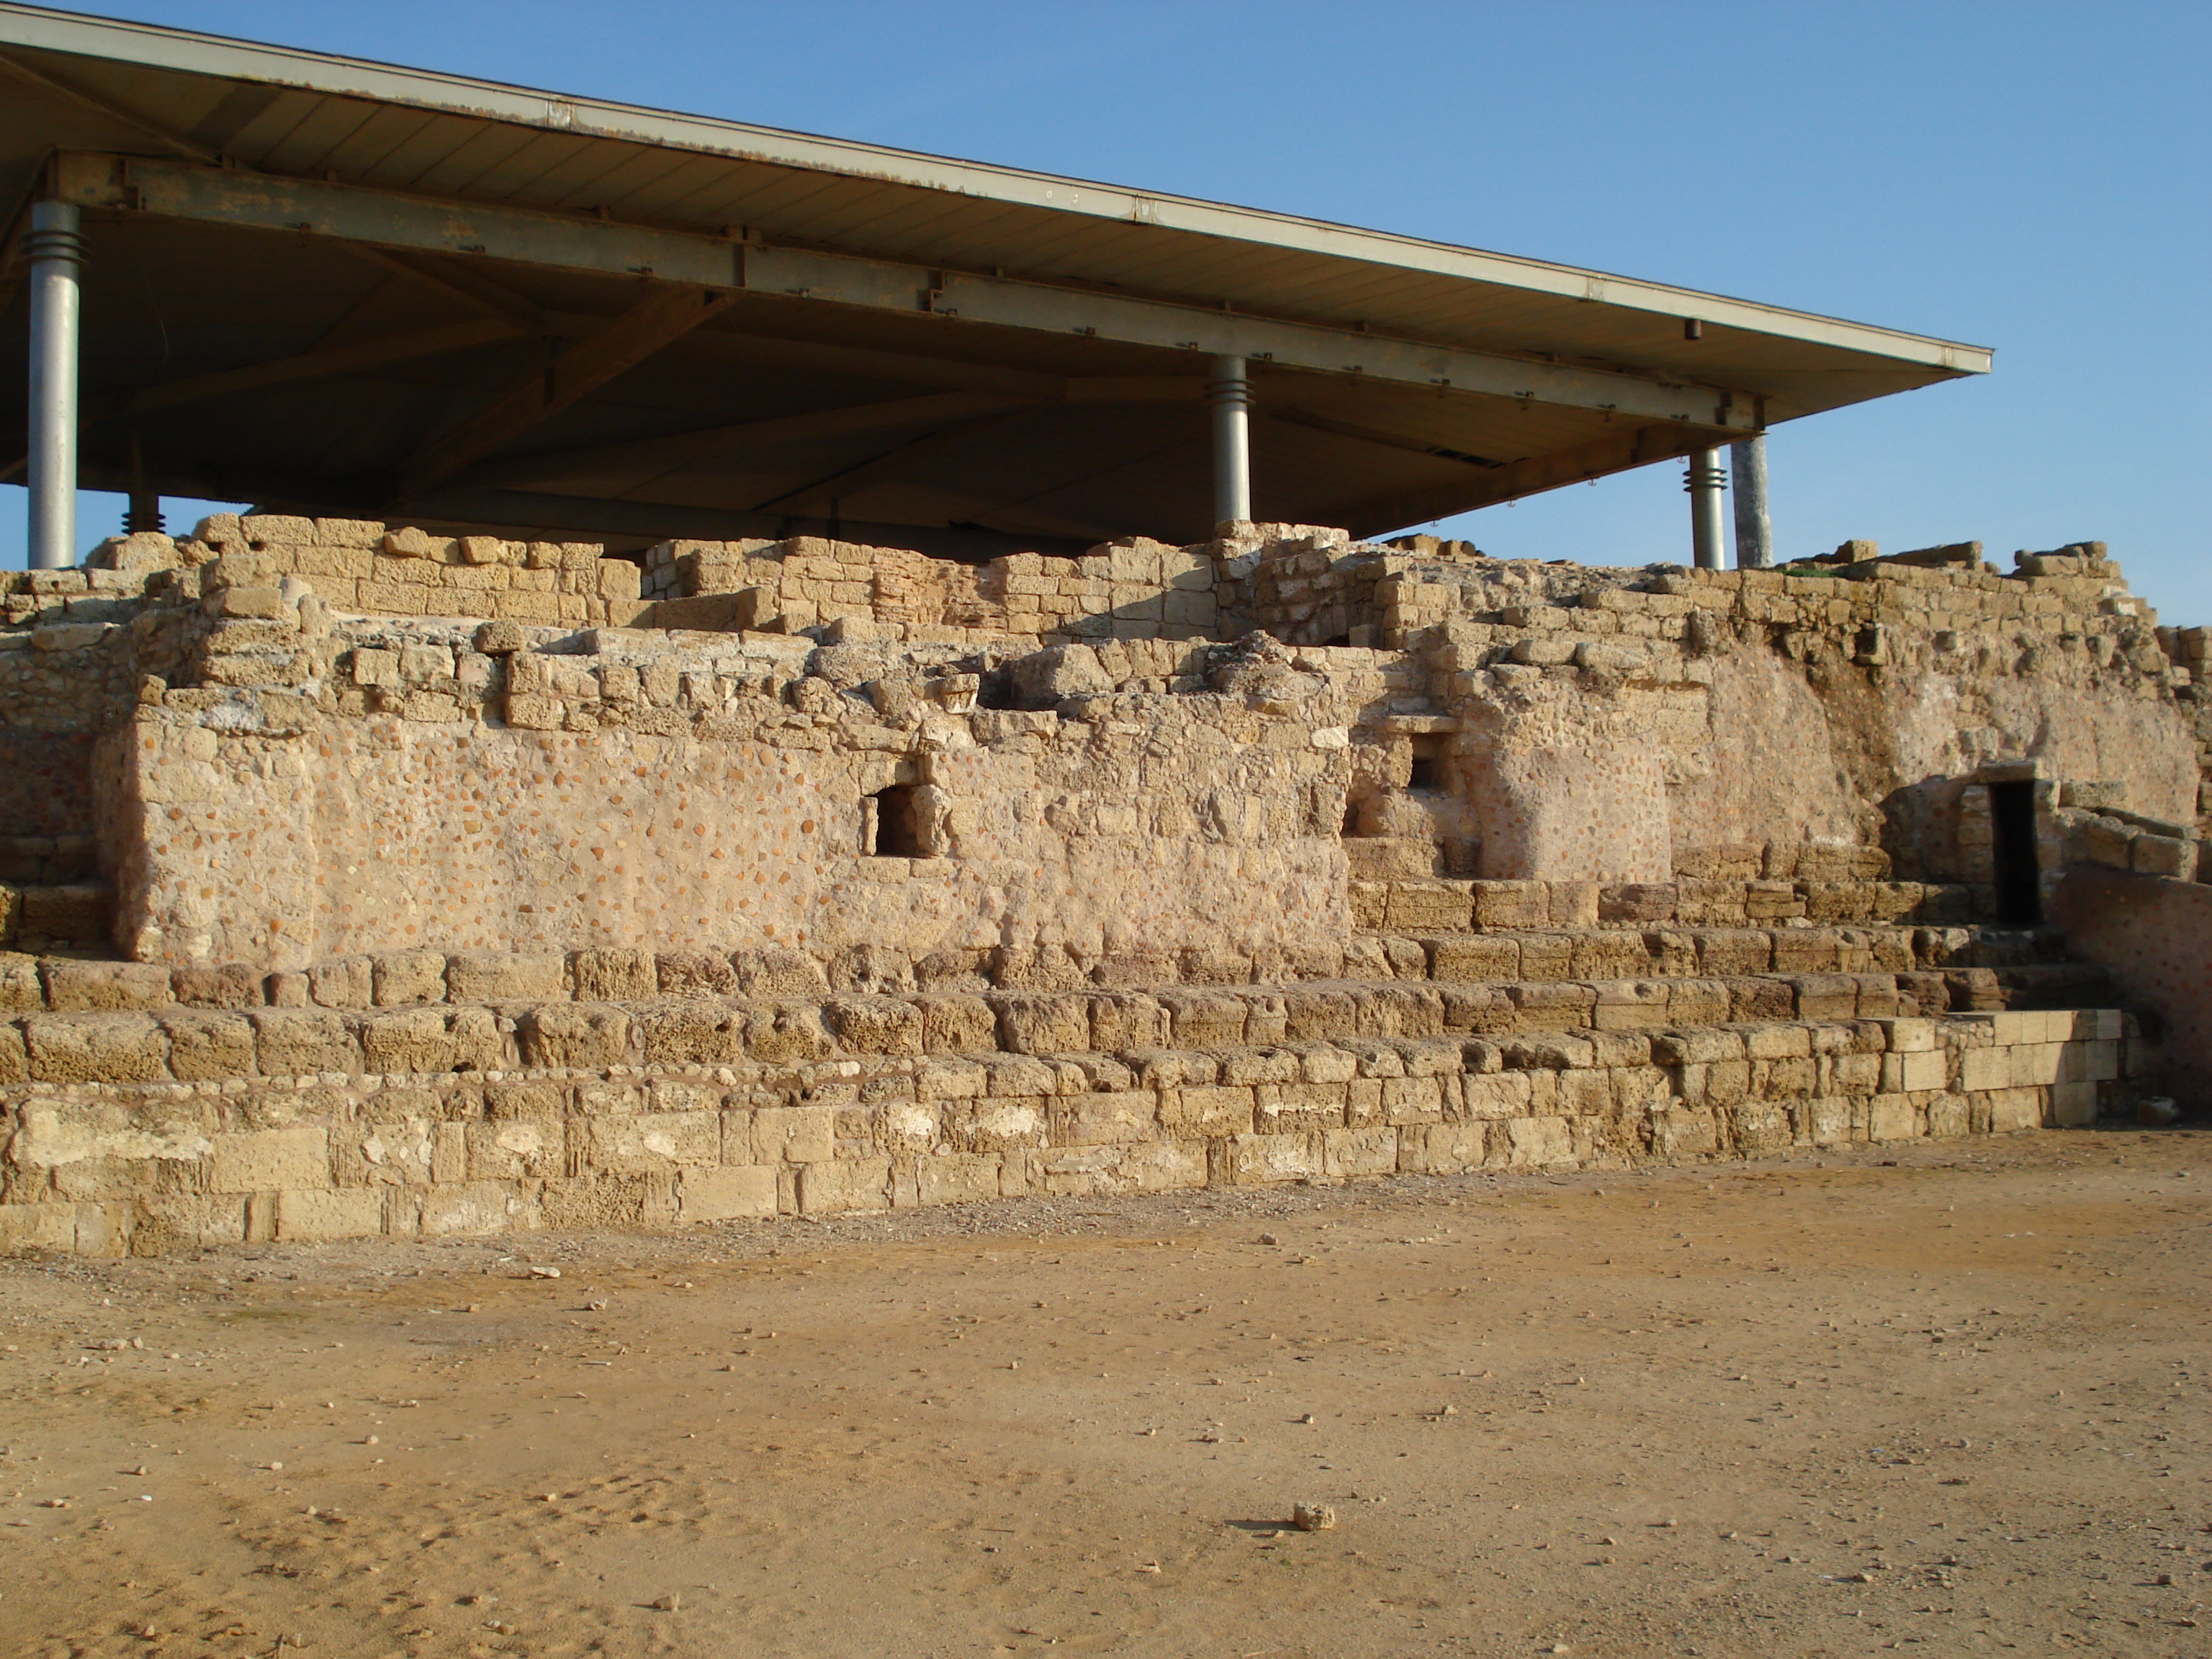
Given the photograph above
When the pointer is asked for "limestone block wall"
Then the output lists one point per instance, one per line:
(124, 1136)
(357, 565)
(1128, 590)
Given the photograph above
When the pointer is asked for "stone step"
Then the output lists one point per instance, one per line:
(1435, 904)
(114, 1159)
(48, 861)
(66, 982)
(77, 914)
(2057, 985)
(1624, 952)
(113, 1022)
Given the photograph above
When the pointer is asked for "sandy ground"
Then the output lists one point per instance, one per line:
(1952, 1402)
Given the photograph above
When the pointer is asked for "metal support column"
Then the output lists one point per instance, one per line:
(1706, 482)
(1754, 531)
(55, 251)
(1231, 393)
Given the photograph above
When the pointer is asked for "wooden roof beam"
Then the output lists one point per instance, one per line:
(616, 347)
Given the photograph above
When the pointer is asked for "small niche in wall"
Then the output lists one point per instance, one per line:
(889, 829)
(1426, 772)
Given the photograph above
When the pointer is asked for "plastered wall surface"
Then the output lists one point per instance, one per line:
(378, 834)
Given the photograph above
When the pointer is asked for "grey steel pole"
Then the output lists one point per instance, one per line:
(1707, 480)
(1231, 393)
(55, 248)
(1754, 531)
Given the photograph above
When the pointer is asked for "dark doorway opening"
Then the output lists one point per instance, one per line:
(892, 830)
(2012, 828)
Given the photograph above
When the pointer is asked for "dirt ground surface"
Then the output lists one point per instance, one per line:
(1949, 1397)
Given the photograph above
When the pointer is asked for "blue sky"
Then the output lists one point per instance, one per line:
(2022, 175)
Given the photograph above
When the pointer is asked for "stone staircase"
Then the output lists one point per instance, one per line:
(424, 1093)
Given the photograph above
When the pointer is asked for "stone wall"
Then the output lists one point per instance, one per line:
(289, 778)
(130, 1134)
(1127, 590)
(354, 565)
(476, 883)
(2155, 934)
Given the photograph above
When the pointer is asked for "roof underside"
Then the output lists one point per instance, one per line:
(344, 287)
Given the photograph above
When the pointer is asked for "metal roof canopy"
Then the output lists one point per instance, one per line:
(343, 288)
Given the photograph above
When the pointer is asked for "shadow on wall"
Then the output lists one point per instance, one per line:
(2154, 935)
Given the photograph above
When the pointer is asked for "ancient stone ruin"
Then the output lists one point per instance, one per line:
(365, 881)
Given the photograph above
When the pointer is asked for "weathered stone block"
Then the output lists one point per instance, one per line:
(1442, 1148)
(1103, 1119)
(1205, 1113)
(794, 1134)
(1638, 902)
(516, 1148)
(1254, 1160)
(1315, 1015)
(613, 975)
(574, 1034)
(785, 1034)
(417, 1040)
(1536, 1141)
(96, 1049)
(209, 1048)
(234, 985)
(74, 986)
(270, 1160)
(1202, 1020)
(958, 1178)
(1623, 1005)
(992, 1123)
(294, 1042)
(1511, 903)
(776, 971)
(844, 1186)
(726, 1194)
(1127, 1020)
(1609, 956)
(21, 991)
(506, 976)
(693, 1035)
(308, 1215)
(1043, 1024)
(696, 974)
(639, 1142)
(1418, 906)
(1476, 957)
(401, 977)
(875, 1025)
(1763, 1000)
